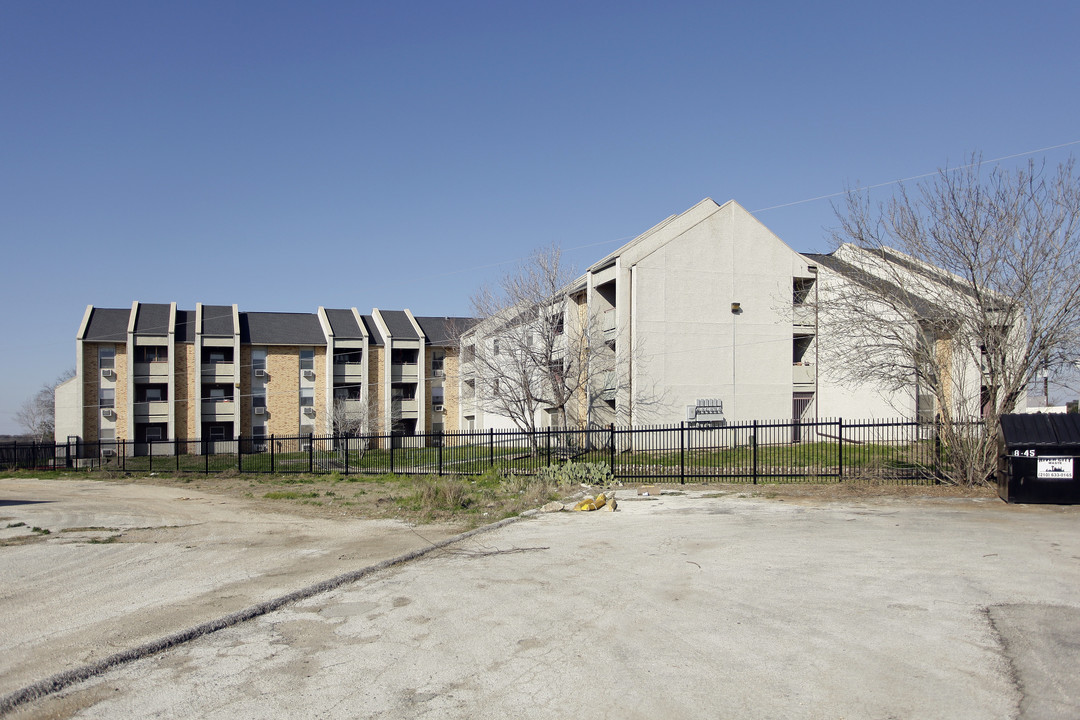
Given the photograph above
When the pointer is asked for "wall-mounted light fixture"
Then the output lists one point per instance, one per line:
(736, 307)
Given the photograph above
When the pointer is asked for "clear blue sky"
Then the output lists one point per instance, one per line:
(283, 156)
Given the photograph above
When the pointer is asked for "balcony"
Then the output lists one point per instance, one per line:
(348, 372)
(157, 372)
(802, 374)
(222, 371)
(802, 316)
(218, 410)
(405, 372)
(405, 408)
(607, 324)
(157, 411)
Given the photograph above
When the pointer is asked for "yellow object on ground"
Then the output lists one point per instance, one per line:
(591, 503)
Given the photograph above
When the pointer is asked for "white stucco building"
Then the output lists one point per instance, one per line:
(710, 315)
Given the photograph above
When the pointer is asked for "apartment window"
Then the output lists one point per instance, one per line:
(106, 397)
(153, 433)
(436, 428)
(107, 358)
(258, 432)
(352, 357)
(437, 363)
(403, 392)
(557, 323)
(258, 358)
(468, 353)
(217, 432)
(307, 429)
(437, 395)
(801, 289)
(107, 434)
(258, 401)
(151, 353)
(347, 392)
(495, 349)
(404, 356)
(218, 356)
(151, 393)
(307, 359)
(307, 397)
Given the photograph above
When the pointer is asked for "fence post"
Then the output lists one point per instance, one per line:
(206, 456)
(150, 450)
(937, 450)
(123, 457)
(176, 453)
(753, 451)
(271, 453)
(682, 452)
(840, 449)
(611, 448)
(391, 452)
(548, 434)
(440, 440)
(310, 453)
(240, 453)
(491, 447)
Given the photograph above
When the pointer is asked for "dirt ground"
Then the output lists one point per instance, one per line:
(92, 567)
(732, 601)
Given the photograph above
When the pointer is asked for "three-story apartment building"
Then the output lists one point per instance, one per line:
(213, 374)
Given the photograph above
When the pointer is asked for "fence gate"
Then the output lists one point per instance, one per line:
(800, 403)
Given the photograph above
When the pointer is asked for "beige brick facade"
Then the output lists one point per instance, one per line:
(322, 420)
(283, 390)
(377, 394)
(90, 392)
(244, 394)
(121, 392)
(451, 396)
(184, 391)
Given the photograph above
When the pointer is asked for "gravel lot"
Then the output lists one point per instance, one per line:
(683, 605)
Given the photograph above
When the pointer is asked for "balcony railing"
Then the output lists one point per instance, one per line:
(157, 371)
(405, 372)
(802, 374)
(222, 371)
(407, 408)
(348, 371)
(158, 409)
(607, 323)
(222, 408)
(802, 315)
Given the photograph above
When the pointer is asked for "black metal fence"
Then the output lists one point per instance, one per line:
(830, 450)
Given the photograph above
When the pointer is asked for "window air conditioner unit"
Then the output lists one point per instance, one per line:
(259, 447)
(259, 411)
(691, 412)
(108, 452)
(108, 413)
(309, 410)
(108, 373)
(260, 373)
(309, 374)
(437, 408)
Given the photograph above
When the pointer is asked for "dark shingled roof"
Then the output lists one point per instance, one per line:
(217, 320)
(373, 330)
(152, 319)
(343, 323)
(185, 326)
(270, 328)
(444, 330)
(397, 322)
(924, 308)
(107, 325)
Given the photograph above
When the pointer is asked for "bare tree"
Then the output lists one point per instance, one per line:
(38, 413)
(534, 348)
(964, 289)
